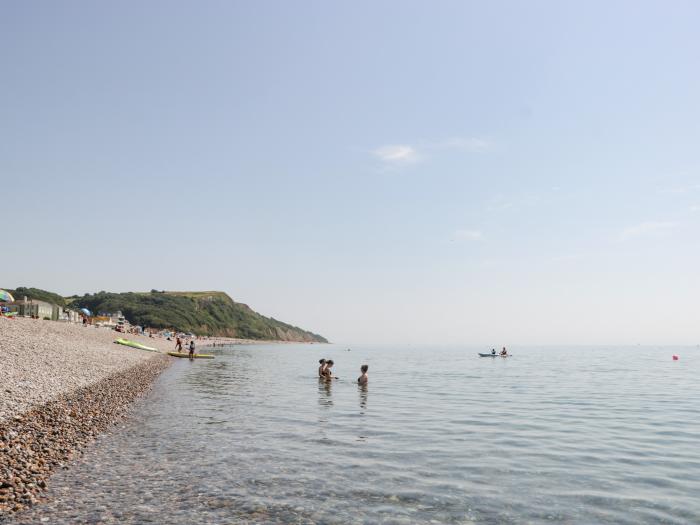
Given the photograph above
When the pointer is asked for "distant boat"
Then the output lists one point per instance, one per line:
(493, 355)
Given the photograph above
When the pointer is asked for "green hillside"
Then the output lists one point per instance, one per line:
(202, 313)
(38, 295)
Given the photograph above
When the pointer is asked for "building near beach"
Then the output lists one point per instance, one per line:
(37, 309)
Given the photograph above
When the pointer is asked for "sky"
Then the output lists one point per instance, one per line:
(455, 172)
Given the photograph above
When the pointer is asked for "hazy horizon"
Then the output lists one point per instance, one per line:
(393, 172)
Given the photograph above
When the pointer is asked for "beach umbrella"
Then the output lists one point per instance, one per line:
(6, 297)
(86, 312)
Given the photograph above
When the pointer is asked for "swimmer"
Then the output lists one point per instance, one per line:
(322, 368)
(362, 380)
(327, 372)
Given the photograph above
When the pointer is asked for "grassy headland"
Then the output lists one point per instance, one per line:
(202, 313)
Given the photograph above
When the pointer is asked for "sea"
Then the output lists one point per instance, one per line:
(574, 435)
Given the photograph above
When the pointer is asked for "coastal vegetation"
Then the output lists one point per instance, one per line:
(37, 294)
(201, 313)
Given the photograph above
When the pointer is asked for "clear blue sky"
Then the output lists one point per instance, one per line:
(477, 172)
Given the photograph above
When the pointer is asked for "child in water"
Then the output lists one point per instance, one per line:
(362, 380)
(322, 368)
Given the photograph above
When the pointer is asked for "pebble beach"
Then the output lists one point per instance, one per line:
(62, 384)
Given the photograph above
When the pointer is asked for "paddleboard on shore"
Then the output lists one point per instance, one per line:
(196, 356)
(134, 344)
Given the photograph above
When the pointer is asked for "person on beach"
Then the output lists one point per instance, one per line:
(322, 367)
(178, 344)
(192, 349)
(327, 373)
(362, 380)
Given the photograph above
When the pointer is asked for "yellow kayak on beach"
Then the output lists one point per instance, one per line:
(196, 356)
(134, 344)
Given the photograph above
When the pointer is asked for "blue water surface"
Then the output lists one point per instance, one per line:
(549, 435)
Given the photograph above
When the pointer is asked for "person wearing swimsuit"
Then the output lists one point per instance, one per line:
(327, 373)
(362, 380)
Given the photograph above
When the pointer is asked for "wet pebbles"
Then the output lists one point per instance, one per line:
(35, 443)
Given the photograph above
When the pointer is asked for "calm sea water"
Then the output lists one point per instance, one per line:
(556, 435)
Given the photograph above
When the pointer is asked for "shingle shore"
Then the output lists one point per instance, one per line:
(40, 360)
(61, 385)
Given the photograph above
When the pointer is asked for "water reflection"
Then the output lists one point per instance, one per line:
(362, 390)
(324, 393)
(325, 402)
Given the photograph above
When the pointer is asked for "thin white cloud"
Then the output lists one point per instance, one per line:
(517, 201)
(405, 154)
(647, 228)
(468, 235)
(674, 190)
(396, 154)
(695, 208)
(681, 189)
(499, 203)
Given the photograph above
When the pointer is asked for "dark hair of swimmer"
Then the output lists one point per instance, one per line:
(329, 362)
(364, 368)
(321, 361)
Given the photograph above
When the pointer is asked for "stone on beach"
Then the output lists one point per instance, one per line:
(62, 385)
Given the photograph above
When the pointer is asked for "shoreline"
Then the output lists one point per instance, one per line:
(63, 385)
(45, 360)
(34, 444)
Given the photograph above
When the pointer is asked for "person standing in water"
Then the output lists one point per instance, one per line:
(192, 349)
(178, 344)
(322, 367)
(362, 380)
(327, 374)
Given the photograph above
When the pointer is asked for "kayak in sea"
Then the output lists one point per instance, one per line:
(493, 355)
(196, 356)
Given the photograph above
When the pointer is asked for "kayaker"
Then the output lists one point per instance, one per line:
(322, 367)
(192, 349)
(362, 380)
(503, 352)
(493, 351)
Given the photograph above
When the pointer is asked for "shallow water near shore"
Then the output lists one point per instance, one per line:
(553, 435)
